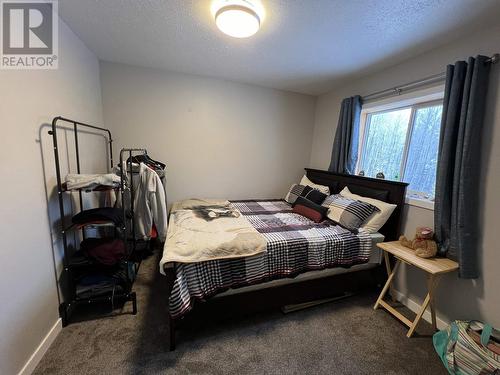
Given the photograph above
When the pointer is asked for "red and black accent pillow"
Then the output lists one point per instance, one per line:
(309, 209)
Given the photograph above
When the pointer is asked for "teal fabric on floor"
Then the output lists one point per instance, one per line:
(441, 340)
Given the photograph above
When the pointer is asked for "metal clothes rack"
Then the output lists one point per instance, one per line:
(70, 298)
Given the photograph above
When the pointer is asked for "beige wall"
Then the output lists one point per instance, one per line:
(457, 299)
(29, 252)
(219, 139)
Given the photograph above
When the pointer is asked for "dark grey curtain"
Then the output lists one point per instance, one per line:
(456, 213)
(345, 145)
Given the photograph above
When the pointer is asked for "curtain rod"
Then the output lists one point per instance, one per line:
(415, 84)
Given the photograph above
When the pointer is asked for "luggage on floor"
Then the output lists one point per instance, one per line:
(469, 348)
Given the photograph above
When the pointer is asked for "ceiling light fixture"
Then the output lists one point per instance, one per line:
(237, 20)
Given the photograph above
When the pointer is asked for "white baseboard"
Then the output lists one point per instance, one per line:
(37, 355)
(415, 307)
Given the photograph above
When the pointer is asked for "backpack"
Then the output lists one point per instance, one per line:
(465, 348)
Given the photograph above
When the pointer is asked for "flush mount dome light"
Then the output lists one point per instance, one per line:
(239, 21)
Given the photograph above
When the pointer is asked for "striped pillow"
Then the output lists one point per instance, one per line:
(349, 213)
(296, 191)
(304, 191)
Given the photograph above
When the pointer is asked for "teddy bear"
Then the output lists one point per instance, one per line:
(423, 244)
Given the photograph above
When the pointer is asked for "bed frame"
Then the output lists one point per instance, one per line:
(308, 290)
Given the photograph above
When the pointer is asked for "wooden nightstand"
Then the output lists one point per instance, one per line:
(434, 268)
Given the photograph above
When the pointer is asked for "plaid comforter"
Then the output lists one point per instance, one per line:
(295, 245)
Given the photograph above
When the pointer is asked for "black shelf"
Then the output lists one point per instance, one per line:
(100, 188)
(81, 264)
(105, 297)
(108, 224)
(89, 263)
(66, 309)
(73, 270)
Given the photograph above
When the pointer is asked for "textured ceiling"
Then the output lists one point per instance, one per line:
(306, 46)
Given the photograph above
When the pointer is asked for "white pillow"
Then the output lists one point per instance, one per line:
(307, 182)
(378, 219)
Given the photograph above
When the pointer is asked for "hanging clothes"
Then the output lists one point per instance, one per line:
(150, 206)
(155, 165)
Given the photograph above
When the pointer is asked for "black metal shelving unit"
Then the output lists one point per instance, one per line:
(126, 231)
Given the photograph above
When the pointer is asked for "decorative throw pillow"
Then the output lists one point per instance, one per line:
(297, 191)
(304, 191)
(349, 213)
(309, 209)
(307, 182)
(314, 195)
(379, 218)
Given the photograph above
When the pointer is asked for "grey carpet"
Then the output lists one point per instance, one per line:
(345, 337)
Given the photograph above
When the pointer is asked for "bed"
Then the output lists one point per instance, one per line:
(303, 260)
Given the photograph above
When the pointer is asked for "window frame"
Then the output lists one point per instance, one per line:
(414, 100)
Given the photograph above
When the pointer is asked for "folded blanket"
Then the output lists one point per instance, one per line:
(90, 181)
(201, 230)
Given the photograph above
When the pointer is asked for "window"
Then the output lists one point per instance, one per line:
(401, 141)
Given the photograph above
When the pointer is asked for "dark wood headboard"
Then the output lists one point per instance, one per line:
(396, 194)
